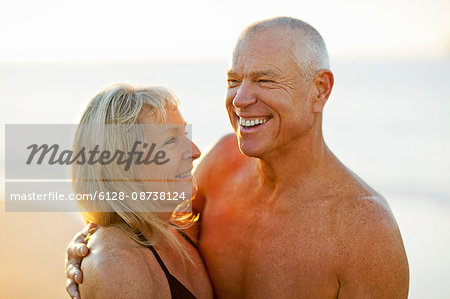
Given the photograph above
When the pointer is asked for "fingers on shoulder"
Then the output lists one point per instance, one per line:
(72, 289)
(76, 251)
(77, 247)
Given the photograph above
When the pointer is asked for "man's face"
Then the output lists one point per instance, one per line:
(268, 100)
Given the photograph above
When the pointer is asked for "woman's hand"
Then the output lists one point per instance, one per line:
(76, 251)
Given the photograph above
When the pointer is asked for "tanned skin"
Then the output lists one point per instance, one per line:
(281, 216)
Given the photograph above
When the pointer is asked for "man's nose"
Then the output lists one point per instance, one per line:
(245, 96)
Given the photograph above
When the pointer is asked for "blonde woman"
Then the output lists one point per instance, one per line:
(136, 252)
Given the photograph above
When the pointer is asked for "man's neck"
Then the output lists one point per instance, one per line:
(295, 162)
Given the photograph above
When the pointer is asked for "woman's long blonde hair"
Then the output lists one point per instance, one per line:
(124, 105)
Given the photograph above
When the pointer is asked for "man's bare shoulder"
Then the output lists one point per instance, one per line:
(223, 157)
(364, 213)
(224, 150)
(119, 268)
(358, 206)
(372, 257)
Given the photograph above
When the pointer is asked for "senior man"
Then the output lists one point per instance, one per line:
(281, 216)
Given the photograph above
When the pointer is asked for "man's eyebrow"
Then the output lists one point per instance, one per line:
(264, 73)
(256, 74)
(231, 73)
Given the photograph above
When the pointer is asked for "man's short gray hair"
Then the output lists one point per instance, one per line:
(310, 49)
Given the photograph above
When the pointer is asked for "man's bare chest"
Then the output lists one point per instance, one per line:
(263, 248)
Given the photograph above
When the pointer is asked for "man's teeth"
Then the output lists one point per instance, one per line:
(184, 174)
(252, 122)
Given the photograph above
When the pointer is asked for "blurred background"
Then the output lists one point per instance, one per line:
(387, 117)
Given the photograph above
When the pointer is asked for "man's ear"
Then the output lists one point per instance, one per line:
(323, 82)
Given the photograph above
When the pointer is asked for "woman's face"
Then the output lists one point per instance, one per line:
(176, 152)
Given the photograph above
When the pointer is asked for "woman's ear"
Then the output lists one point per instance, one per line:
(323, 82)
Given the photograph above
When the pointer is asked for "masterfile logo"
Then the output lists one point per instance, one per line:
(50, 166)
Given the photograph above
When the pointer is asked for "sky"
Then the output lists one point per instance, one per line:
(57, 30)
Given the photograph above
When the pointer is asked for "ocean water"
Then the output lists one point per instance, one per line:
(387, 121)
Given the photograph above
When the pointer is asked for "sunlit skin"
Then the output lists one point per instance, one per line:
(170, 139)
(119, 267)
(261, 85)
(281, 216)
(290, 221)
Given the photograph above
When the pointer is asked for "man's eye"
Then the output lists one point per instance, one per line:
(232, 83)
(265, 81)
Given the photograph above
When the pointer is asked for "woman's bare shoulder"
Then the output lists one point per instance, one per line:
(108, 238)
(119, 267)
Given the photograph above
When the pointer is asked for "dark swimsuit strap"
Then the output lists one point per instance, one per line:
(158, 258)
(181, 232)
(177, 289)
(185, 236)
